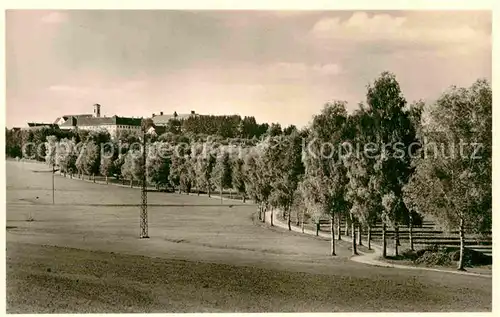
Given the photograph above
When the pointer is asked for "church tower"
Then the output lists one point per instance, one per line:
(97, 110)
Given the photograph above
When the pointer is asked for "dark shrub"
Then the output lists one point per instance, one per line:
(455, 255)
(471, 257)
(434, 258)
(434, 248)
(409, 254)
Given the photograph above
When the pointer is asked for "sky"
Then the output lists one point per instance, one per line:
(279, 66)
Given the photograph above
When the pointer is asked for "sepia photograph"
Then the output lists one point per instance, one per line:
(248, 161)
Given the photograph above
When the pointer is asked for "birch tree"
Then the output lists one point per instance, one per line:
(453, 179)
(323, 163)
(395, 133)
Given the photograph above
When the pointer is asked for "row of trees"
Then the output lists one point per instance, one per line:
(404, 163)
(15, 139)
(387, 162)
(180, 163)
(224, 126)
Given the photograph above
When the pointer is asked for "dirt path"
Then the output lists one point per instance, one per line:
(372, 257)
(243, 260)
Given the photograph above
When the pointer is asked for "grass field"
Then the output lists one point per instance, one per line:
(80, 255)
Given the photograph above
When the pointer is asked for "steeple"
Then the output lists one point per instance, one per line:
(97, 110)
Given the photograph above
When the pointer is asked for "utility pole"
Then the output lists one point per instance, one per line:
(144, 194)
(53, 187)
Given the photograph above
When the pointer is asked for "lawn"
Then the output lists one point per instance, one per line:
(83, 255)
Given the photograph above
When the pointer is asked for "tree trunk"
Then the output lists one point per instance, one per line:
(289, 213)
(208, 191)
(339, 234)
(396, 239)
(260, 213)
(131, 183)
(346, 225)
(353, 233)
(411, 233)
(360, 238)
(244, 198)
(93, 178)
(272, 216)
(332, 231)
(198, 192)
(384, 241)
(369, 237)
(302, 220)
(396, 251)
(106, 179)
(462, 246)
(317, 229)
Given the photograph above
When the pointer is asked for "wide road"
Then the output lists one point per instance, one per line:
(80, 255)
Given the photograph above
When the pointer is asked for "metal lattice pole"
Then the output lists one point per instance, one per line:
(144, 194)
(53, 187)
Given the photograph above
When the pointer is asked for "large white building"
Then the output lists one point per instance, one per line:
(95, 122)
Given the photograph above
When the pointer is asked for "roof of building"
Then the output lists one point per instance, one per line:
(151, 130)
(66, 117)
(41, 124)
(158, 129)
(128, 121)
(164, 119)
(70, 122)
(93, 121)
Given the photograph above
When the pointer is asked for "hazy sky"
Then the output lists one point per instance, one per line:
(277, 66)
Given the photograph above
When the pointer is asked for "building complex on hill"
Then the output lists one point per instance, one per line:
(94, 122)
(114, 125)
